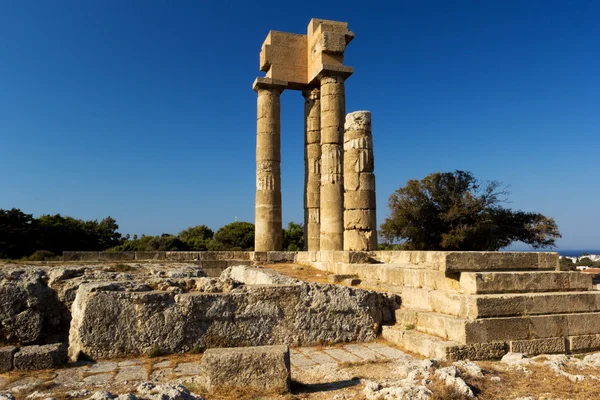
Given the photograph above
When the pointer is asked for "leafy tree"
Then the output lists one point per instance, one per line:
(196, 237)
(165, 242)
(453, 211)
(105, 232)
(566, 264)
(21, 234)
(16, 233)
(234, 236)
(585, 262)
(293, 237)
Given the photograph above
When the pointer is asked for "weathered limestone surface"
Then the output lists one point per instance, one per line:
(539, 346)
(40, 357)
(265, 368)
(333, 103)
(268, 165)
(312, 169)
(120, 319)
(360, 222)
(30, 312)
(299, 59)
(538, 281)
(6, 358)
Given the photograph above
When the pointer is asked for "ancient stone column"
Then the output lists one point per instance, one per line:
(360, 222)
(268, 233)
(312, 169)
(333, 104)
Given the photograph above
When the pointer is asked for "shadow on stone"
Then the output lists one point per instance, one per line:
(298, 387)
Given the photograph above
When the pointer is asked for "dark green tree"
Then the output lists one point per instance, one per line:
(293, 237)
(234, 236)
(17, 233)
(196, 237)
(454, 211)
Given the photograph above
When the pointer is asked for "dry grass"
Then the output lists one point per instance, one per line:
(239, 394)
(541, 382)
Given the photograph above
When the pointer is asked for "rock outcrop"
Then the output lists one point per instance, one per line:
(118, 319)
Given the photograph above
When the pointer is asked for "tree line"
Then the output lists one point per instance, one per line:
(443, 211)
(23, 236)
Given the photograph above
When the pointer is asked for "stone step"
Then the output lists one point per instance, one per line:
(507, 282)
(434, 347)
(499, 305)
(486, 282)
(467, 331)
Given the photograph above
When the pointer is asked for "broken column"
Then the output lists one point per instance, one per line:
(333, 104)
(268, 230)
(360, 223)
(312, 168)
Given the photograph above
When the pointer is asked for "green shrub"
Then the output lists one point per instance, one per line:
(198, 349)
(154, 352)
(43, 255)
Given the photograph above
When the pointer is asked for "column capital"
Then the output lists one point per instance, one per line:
(311, 94)
(334, 71)
(269, 84)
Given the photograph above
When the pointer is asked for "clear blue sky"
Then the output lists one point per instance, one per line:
(143, 110)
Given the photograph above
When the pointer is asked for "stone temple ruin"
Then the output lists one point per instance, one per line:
(447, 305)
(339, 184)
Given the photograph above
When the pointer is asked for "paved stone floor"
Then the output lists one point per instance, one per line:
(307, 357)
(74, 380)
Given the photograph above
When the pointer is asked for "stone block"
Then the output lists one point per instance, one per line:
(281, 256)
(40, 357)
(564, 302)
(259, 256)
(116, 256)
(549, 261)
(6, 358)
(265, 368)
(416, 298)
(356, 240)
(366, 181)
(496, 329)
(543, 326)
(150, 255)
(81, 256)
(538, 281)
(583, 323)
(539, 346)
(406, 317)
(584, 343)
(495, 261)
(360, 219)
(361, 199)
(476, 351)
(358, 161)
(351, 181)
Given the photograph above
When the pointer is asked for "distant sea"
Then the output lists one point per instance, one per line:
(576, 253)
(566, 253)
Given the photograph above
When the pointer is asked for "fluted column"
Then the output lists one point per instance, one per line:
(333, 104)
(312, 169)
(360, 221)
(268, 231)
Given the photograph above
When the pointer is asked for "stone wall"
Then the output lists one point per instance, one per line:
(157, 256)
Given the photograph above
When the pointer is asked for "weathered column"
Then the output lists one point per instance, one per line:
(312, 169)
(333, 104)
(360, 222)
(268, 233)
